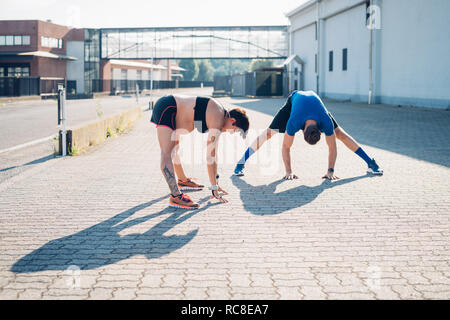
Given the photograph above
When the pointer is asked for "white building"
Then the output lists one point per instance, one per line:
(409, 51)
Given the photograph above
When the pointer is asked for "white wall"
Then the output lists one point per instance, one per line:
(75, 69)
(132, 74)
(304, 18)
(116, 74)
(411, 51)
(415, 51)
(346, 30)
(304, 45)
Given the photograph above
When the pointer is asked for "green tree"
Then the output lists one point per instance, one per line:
(260, 63)
(230, 66)
(191, 67)
(240, 66)
(205, 71)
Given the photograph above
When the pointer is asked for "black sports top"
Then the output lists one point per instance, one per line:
(201, 104)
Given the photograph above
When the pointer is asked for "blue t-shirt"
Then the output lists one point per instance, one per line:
(306, 105)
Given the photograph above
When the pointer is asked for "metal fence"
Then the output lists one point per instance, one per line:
(238, 85)
(14, 86)
(129, 86)
(256, 84)
(30, 86)
(49, 86)
(222, 85)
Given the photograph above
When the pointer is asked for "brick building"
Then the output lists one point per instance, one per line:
(35, 48)
(35, 56)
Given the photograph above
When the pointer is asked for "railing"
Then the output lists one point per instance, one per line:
(30, 86)
(115, 87)
(257, 83)
(19, 86)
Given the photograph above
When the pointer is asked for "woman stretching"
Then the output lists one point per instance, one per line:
(175, 115)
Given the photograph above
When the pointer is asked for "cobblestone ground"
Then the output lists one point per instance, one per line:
(97, 226)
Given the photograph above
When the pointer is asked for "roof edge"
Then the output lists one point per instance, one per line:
(301, 8)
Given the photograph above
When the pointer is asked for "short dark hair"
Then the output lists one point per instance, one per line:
(312, 134)
(241, 118)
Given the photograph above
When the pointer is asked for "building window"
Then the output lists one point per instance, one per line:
(330, 60)
(344, 59)
(9, 40)
(2, 72)
(14, 40)
(26, 40)
(17, 40)
(139, 74)
(123, 74)
(25, 72)
(315, 63)
(18, 72)
(316, 29)
(51, 42)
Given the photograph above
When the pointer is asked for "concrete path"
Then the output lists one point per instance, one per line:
(97, 226)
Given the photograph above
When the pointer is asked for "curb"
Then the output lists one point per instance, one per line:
(81, 137)
(28, 144)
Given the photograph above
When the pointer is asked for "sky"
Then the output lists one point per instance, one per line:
(150, 13)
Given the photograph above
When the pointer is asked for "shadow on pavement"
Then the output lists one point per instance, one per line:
(102, 245)
(41, 160)
(414, 132)
(257, 198)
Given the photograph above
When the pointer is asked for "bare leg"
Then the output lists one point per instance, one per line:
(346, 139)
(167, 145)
(177, 162)
(263, 137)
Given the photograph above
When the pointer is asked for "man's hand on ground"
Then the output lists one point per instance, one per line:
(330, 176)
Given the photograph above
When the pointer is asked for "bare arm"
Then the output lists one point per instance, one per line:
(286, 153)
(332, 155)
(211, 160)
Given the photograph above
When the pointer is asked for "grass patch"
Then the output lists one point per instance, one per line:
(74, 150)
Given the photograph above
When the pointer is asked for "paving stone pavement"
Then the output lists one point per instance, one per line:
(97, 226)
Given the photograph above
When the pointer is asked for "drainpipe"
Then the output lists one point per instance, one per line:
(370, 54)
(288, 68)
(318, 47)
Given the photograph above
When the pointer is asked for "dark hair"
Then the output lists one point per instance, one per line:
(312, 134)
(242, 121)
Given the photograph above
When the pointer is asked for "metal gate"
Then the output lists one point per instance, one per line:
(238, 85)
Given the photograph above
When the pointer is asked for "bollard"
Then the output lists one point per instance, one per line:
(62, 118)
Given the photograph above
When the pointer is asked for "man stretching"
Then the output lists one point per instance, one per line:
(304, 110)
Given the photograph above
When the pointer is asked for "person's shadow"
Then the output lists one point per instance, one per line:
(262, 200)
(102, 244)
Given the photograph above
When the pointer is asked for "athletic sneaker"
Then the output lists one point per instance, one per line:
(374, 168)
(239, 170)
(189, 185)
(183, 201)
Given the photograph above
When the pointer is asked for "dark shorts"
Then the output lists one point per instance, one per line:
(165, 112)
(281, 119)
